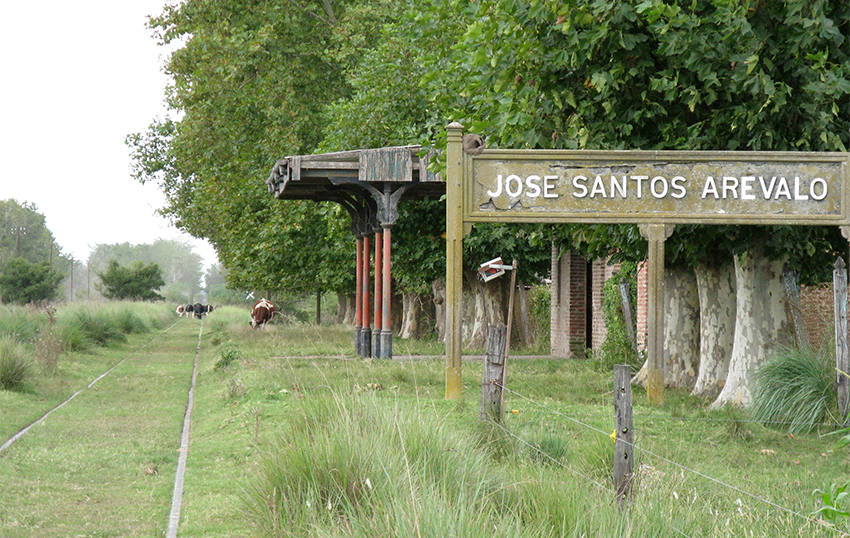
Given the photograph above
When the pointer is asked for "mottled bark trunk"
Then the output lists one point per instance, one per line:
(345, 308)
(681, 328)
(761, 324)
(716, 287)
(413, 316)
(482, 307)
(396, 312)
(438, 289)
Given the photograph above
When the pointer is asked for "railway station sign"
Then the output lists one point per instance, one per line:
(665, 187)
(654, 189)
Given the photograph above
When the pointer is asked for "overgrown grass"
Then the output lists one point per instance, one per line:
(795, 390)
(418, 474)
(14, 366)
(285, 438)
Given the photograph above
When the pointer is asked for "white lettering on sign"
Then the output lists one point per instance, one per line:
(660, 187)
(774, 188)
(514, 186)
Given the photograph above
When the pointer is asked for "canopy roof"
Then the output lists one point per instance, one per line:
(361, 173)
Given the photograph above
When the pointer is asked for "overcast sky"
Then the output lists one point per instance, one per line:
(78, 77)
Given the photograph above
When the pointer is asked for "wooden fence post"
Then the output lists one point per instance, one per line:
(842, 357)
(491, 382)
(626, 298)
(792, 296)
(624, 431)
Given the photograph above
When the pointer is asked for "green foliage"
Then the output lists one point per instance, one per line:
(137, 282)
(832, 503)
(14, 366)
(17, 323)
(253, 82)
(712, 76)
(97, 327)
(23, 282)
(540, 300)
(181, 266)
(795, 390)
(526, 244)
(250, 85)
(332, 465)
(227, 356)
(24, 234)
(618, 347)
(419, 249)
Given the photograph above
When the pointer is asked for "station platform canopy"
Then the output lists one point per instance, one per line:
(399, 171)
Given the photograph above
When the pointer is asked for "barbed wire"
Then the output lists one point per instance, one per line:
(569, 469)
(679, 465)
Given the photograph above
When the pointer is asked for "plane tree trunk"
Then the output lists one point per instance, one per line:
(681, 327)
(681, 331)
(414, 315)
(716, 286)
(438, 291)
(482, 307)
(345, 308)
(761, 324)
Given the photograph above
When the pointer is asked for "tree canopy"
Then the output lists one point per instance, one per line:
(23, 282)
(180, 266)
(257, 81)
(24, 233)
(137, 282)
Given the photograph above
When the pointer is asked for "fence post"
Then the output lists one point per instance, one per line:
(626, 298)
(624, 431)
(792, 295)
(842, 358)
(491, 382)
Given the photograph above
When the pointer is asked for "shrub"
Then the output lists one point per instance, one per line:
(228, 355)
(795, 389)
(14, 367)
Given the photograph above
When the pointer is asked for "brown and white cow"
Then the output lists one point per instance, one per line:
(263, 311)
(180, 310)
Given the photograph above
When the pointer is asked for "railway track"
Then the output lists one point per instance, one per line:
(109, 448)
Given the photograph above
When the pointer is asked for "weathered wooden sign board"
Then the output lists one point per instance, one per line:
(651, 188)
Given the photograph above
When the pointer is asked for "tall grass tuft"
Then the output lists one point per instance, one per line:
(371, 467)
(796, 389)
(376, 470)
(99, 326)
(19, 323)
(14, 366)
(130, 321)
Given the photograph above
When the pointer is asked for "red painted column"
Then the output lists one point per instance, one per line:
(366, 332)
(387, 319)
(358, 301)
(379, 261)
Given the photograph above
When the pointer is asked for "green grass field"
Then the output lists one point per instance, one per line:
(292, 435)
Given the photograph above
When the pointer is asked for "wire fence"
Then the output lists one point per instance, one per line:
(681, 467)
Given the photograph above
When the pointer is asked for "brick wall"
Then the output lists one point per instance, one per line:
(568, 304)
(817, 304)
